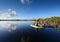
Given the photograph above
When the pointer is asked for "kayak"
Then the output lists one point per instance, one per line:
(37, 27)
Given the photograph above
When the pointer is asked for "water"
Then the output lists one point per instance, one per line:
(17, 31)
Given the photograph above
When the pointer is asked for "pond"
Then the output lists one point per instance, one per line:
(21, 31)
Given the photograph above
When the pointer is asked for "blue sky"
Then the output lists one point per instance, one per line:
(28, 9)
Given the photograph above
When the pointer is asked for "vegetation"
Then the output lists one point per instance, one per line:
(53, 21)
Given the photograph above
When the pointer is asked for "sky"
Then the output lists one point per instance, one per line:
(28, 9)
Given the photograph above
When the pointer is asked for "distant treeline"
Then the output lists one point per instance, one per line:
(53, 21)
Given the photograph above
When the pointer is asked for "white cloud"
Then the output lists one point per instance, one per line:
(9, 14)
(28, 1)
(13, 12)
(25, 1)
(9, 9)
(22, 1)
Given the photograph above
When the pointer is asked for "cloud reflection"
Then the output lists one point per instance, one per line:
(9, 31)
(14, 28)
(9, 26)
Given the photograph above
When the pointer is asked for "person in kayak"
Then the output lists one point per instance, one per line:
(37, 24)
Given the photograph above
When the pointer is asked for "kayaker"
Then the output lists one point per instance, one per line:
(37, 24)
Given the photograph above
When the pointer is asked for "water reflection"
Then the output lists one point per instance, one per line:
(22, 31)
(8, 25)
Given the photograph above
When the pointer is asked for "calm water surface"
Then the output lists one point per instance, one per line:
(14, 31)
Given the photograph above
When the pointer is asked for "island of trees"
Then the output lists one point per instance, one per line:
(53, 21)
